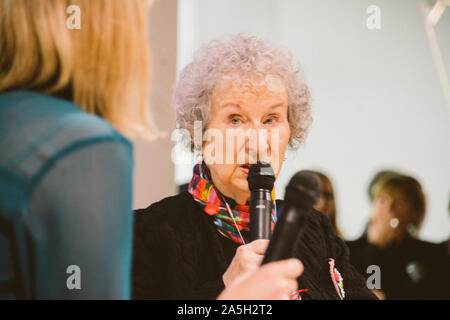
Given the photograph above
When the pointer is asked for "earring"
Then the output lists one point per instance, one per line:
(394, 223)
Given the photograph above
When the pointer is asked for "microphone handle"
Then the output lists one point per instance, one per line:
(287, 232)
(260, 214)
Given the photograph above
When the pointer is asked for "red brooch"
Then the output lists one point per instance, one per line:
(337, 279)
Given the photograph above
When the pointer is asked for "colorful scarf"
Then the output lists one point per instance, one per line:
(213, 204)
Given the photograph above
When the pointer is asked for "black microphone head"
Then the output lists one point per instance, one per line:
(261, 176)
(303, 189)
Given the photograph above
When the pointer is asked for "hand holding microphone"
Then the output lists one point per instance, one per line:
(247, 260)
(245, 278)
(248, 257)
(273, 281)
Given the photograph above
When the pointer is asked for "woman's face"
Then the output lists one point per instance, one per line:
(248, 122)
(393, 205)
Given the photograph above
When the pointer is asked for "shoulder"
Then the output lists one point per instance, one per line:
(427, 250)
(38, 113)
(317, 231)
(174, 211)
(172, 202)
(315, 220)
(170, 224)
(357, 243)
(41, 129)
(319, 237)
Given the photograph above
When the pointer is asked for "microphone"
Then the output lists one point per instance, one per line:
(301, 194)
(260, 182)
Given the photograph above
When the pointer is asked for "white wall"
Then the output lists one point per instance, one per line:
(153, 171)
(377, 101)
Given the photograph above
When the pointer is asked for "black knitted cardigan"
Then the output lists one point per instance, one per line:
(179, 254)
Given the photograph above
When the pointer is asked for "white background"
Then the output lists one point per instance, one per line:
(377, 100)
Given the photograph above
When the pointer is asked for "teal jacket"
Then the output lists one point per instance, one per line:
(65, 202)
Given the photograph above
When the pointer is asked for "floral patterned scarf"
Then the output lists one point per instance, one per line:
(213, 204)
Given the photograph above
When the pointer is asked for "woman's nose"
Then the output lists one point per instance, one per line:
(259, 148)
(385, 203)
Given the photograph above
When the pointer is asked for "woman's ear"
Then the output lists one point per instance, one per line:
(412, 229)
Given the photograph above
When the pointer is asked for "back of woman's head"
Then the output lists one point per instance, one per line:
(102, 66)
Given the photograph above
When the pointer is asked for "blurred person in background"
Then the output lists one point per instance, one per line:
(66, 99)
(326, 202)
(410, 268)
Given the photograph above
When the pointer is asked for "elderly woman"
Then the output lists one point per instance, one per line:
(194, 244)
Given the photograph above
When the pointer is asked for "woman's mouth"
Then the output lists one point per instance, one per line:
(245, 168)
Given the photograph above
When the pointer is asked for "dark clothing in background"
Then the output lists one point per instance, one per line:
(179, 254)
(414, 269)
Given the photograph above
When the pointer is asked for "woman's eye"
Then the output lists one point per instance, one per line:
(235, 120)
(399, 203)
(270, 120)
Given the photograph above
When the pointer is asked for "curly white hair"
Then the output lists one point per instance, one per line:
(244, 55)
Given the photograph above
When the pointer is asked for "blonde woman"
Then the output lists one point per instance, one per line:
(66, 98)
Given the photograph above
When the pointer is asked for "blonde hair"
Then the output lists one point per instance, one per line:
(104, 64)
